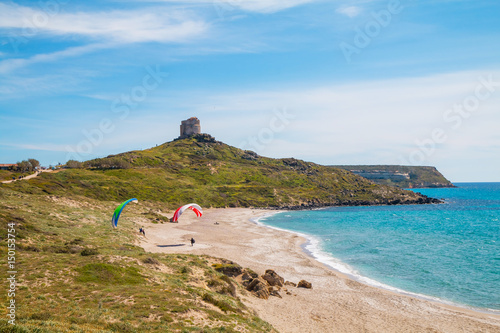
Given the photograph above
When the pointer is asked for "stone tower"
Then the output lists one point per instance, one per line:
(190, 127)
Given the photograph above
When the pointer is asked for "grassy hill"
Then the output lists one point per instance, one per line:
(400, 175)
(213, 174)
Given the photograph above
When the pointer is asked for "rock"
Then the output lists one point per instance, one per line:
(291, 284)
(259, 287)
(273, 278)
(304, 284)
(250, 273)
(245, 279)
(230, 270)
(275, 293)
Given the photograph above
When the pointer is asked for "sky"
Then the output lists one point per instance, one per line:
(333, 82)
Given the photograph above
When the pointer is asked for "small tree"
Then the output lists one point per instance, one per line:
(24, 166)
(34, 163)
(72, 164)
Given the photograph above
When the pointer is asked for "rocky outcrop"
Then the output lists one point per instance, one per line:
(264, 286)
(313, 204)
(273, 279)
(304, 284)
(259, 287)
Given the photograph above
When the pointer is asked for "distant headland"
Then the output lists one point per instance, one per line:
(400, 175)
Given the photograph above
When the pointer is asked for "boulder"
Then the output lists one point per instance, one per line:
(304, 284)
(273, 278)
(291, 284)
(275, 293)
(248, 274)
(259, 287)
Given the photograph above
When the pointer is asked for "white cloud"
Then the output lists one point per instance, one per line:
(104, 29)
(145, 25)
(350, 11)
(257, 6)
(11, 65)
(267, 6)
(42, 146)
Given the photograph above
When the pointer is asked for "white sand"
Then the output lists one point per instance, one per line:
(335, 304)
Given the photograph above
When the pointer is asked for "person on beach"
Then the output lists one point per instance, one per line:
(140, 230)
(192, 241)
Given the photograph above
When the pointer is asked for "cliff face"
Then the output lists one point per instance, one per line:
(400, 176)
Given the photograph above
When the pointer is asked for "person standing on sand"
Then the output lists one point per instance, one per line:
(192, 241)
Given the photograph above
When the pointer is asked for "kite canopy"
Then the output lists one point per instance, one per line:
(194, 207)
(118, 211)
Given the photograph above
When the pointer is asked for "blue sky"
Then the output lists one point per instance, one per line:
(333, 82)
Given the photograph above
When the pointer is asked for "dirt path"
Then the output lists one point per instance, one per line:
(27, 177)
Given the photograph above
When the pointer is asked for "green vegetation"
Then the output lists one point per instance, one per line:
(213, 174)
(401, 176)
(119, 289)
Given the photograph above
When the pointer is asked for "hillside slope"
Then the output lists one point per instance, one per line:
(74, 273)
(400, 175)
(211, 173)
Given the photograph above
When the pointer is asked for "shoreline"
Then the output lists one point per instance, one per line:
(344, 269)
(337, 302)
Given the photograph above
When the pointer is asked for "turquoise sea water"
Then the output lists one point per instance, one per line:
(449, 251)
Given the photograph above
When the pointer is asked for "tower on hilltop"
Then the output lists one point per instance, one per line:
(190, 127)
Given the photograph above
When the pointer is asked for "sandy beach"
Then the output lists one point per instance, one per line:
(335, 304)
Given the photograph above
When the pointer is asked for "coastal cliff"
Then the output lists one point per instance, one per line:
(400, 176)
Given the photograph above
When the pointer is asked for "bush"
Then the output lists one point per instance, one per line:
(185, 270)
(151, 261)
(72, 164)
(224, 306)
(41, 316)
(89, 252)
(109, 274)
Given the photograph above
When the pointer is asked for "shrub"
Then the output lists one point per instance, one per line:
(72, 164)
(41, 316)
(151, 261)
(89, 252)
(224, 306)
(109, 274)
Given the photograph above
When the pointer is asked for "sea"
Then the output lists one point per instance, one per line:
(446, 252)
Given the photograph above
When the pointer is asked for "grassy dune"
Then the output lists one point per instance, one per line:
(115, 286)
